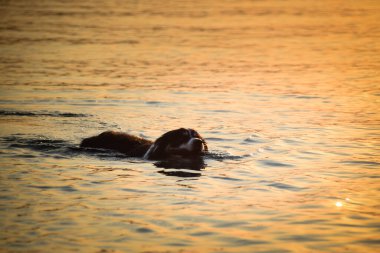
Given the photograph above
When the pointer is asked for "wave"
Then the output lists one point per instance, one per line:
(55, 147)
(221, 156)
(42, 114)
(36, 143)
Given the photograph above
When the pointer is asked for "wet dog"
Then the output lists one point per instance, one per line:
(182, 142)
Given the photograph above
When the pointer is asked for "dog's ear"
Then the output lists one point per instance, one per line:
(203, 140)
(157, 150)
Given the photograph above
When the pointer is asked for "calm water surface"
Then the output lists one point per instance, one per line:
(286, 92)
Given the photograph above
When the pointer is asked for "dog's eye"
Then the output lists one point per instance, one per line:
(193, 133)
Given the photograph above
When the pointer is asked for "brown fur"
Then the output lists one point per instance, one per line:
(121, 142)
(183, 142)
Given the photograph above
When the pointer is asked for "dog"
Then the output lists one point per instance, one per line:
(183, 142)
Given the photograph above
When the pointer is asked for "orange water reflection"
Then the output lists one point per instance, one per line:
(288, 90)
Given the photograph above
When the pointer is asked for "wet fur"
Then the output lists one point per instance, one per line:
(180, 142)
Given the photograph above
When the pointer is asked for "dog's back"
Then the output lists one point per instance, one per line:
(121, 142)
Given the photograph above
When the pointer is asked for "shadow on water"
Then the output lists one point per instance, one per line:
(182, 167)
(193, 167)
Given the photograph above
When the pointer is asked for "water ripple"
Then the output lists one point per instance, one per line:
(272, 163)
(286, 187)
(43, 113)
(66, 188)
(360, 162)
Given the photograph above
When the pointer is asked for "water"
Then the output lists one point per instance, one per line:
(285, 92)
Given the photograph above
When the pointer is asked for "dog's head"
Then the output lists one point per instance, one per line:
(180, 142)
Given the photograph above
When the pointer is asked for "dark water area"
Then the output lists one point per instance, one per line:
(286, 93)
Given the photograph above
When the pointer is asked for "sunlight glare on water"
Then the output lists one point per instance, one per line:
(286, 93)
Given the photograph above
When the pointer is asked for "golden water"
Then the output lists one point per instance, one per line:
(286, 93)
